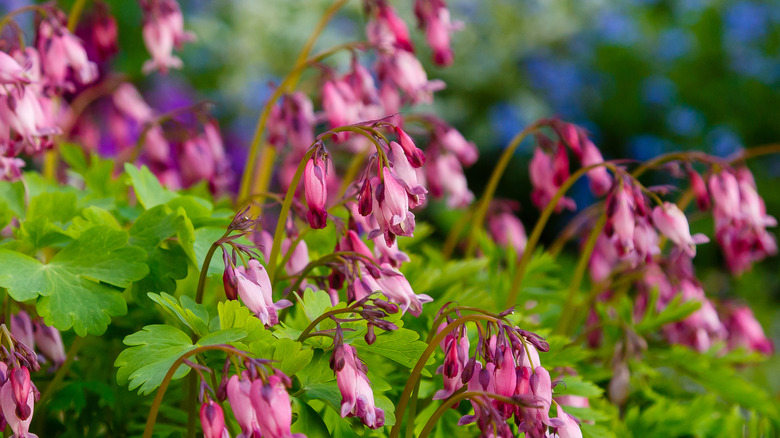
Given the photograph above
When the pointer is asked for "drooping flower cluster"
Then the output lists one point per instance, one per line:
(37, 334)
(60, 87)
(357, 395)
(506, 364)
(258, 399)
(18, 393)
(163, 29)
(505, 228)
(740, 218)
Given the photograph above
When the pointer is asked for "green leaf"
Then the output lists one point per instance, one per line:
(400, 346)
(290, 355)
(90, 217)
(193, 315)
(315, 303)
(11, 201)
(222, 337)
(166, 264)
(232, 314)
(152, 352)
(147, 188)
(309, 421)
(204, 238)
(55, 206)
(676, 310)
(574, 385)
(71, 285)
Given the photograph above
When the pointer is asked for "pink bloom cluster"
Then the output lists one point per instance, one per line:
(740, 218)
(357, 396)
(549, 166)
(18, 393)
(505, 228)
(163, 29)
(510, 367)
(37, 334)
(253, 285)
(259, 401)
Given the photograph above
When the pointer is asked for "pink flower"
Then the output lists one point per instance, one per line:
(396, 288)
(213, 420)
(414, 155)
(745, 331)
(254, 288)
(545, 184)
(272, 407)
(456, 355)
(62, 53)
(699, 189)
(357, 396)
(129, 101)
(621, 216)
(340, 104)
(672, 223)
(11, 73)
(570, 427)
(453, 141)
(389, 254)
(299, 258)
(434, 17)
(239, 396)
(11, 168)
(163, 29)
(49, 341)
(17, 401)
(507, 230)
(22, 328)
(600, 181)
(445, 176)
(316, 192)
(299, 119)
(391, 206)
(405, 71)
(387, 31)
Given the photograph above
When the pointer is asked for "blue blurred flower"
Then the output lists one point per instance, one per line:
(659, 90)
(644, 147)
(618, 28)
(674, 43)
(746, 22)
(560, 80)
(506, 120)
(685, 121)
(722, 141)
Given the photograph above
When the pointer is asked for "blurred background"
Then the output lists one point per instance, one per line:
(645, 77)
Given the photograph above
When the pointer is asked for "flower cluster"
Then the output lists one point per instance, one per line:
(37, 334)
(18, 393)
(549, 167)
(740, 217)
(258, 399)
(507, 379)
(357, 396)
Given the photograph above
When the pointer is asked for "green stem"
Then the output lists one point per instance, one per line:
(457, 398)
(158, 398)
(455, 232)
(60, 374)
(75, 14)
(416, 372)
(287, 83)
(536, 234)
(568, 312)
(7, 17)
(323, 317)
(288, 198)
(490, 189)
(204, 269)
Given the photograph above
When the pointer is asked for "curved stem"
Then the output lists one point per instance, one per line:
(287, 83)
(490, 189)
(455, 232)
(60, 374)
(568, 312)
(288, 198)
(325, 259)
(75, 14)
(158, 398)
(7, 17)
(457, 398)
(204, 269)
(416, 372)
(573, 227)
(305, 333)
(533, 239)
